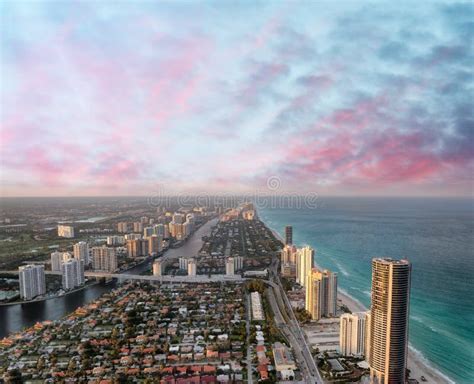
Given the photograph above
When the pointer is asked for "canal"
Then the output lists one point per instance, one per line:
(14, 318)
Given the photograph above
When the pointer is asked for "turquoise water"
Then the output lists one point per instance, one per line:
(436, 235)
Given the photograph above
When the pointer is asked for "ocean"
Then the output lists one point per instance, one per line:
(436, 235)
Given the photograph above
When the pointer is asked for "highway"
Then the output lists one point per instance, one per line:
(290, 327)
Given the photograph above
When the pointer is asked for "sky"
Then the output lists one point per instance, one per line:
(131, 98)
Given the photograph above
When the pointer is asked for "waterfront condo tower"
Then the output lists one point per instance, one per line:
(352, 334)
(288, 235)
(389, 320)
(32, 281)
(304, 264)
(321, 293)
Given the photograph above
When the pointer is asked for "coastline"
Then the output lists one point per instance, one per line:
(417, 364)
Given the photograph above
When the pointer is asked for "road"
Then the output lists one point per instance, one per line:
(249, 348)
(291, 327)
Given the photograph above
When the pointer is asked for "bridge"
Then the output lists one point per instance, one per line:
(199, 279)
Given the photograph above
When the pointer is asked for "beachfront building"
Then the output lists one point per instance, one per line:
(32, 281)
(389, 320)
(81, 252)
(304, 264)
(288, 235)
(72, 271)
(321, 293)
(288, 254)
(104, 259)
(352, 334)
(66, 231)
(288, 258)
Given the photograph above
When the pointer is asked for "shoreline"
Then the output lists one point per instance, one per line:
(417, 363)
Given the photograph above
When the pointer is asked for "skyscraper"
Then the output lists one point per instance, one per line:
(352, 333)
(389, 320)
(72, 271)
(304, 263)
(288, 235)
(56, 260)
(104, 259)
(32, 281)
(81, 252)
(321, 293)
(238, 263)
(158, 267)
(288, 260)
(154, 244)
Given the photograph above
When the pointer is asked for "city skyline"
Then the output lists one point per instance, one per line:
(360, 99)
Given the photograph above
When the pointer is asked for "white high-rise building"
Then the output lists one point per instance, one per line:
(81, 252)
(183, 263)
(104, 259)
(192, 267)
(304, 264)
(72, 272)
(115, 240)
(32, 281)
(66, 231)
(238, 263)
(56, 260)
(229, 266)
(352, 337)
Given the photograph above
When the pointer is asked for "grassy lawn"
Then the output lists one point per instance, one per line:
(23, 247)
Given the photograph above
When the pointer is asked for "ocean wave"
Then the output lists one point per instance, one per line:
(420, 357)
(341, 268)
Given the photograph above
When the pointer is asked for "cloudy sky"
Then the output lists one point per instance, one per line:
(117, 98)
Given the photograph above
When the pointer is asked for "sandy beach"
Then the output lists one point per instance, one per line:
(418, 367)
(416, 364)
